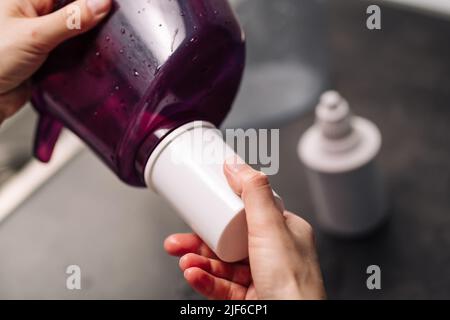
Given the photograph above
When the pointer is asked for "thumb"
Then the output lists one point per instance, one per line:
(75, 18)
(263, 213)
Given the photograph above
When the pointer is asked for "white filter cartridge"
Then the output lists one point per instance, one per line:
(187, 170)
(339, 153)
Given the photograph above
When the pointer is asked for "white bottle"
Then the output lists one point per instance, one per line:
(338, 153)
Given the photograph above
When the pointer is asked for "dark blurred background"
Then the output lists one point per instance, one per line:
(398, 77)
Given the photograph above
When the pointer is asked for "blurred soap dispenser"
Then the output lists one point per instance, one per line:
(339, 154)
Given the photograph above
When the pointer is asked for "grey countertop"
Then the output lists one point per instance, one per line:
(398, 77)
(84, 216)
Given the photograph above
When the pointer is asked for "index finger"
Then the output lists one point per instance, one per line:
(181, 244)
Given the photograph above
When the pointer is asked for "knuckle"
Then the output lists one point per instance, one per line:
(33, 40)
(307, 230)
(256, 181)
(5, 84)
(241, 274)
(10, 103)
(32, 32)
(189, 255)
(11, 109)
(230, 294)
(301, 228)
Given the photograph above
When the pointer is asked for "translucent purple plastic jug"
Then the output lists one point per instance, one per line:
(151, 67)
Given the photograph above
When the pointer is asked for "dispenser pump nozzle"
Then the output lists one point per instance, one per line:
(333, 116)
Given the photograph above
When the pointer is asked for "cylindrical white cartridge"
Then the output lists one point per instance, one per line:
(187, 170)
(339, 154)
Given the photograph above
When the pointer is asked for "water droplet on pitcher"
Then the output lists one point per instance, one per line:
(136, 73)
(122, 31)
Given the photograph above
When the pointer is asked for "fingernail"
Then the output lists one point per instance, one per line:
(181, 263)
(98, 7)
(188, 273)
(235, 164)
